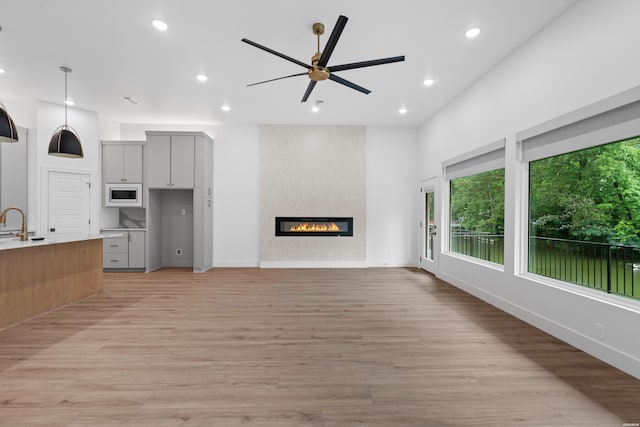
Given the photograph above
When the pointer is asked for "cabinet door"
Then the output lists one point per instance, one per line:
(112, 163)
(136, 249)
(182, 161)
(158, 161)
(132, 163)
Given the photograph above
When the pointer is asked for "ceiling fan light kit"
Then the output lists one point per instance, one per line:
(318, 70)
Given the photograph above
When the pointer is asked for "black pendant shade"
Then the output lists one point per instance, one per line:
(8, 131)
(65, 143)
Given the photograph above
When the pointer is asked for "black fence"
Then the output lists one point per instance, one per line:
(488, 247)
(610, 268)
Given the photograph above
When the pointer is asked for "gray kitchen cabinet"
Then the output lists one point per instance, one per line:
(115, 252)
(136, 248)
(122, 162)
(125, 251)
(179, 188)
(170, 160)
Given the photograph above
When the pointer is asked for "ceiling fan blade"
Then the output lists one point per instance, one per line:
(312, 84)
(281, 55)
(349, 84)
(362, 64)
(333, 40)
(279, 78)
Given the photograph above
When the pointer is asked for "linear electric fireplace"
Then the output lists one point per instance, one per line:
(314, 226)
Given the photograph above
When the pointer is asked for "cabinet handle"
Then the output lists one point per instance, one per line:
(168, 185)
(113, 260)
(114, 246)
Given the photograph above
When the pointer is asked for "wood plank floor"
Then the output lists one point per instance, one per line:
(252, 347)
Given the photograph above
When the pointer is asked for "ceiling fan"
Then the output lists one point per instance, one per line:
(318, 70)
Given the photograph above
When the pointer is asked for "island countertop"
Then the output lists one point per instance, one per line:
(51, 239)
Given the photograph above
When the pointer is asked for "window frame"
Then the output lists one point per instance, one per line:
(613, 119)
(483, 159)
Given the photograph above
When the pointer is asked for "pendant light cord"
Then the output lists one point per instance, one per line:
(65, 97)
(65, 70)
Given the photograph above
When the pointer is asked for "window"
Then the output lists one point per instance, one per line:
(477, 216)
(584, 196)
(584, 217)
(476, 203)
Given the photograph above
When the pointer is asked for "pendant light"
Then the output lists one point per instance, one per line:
(65, 141)
(8, 131)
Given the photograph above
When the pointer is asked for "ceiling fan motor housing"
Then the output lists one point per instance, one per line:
(316, 73)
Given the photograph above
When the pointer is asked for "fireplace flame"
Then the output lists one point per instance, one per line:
(316, 226)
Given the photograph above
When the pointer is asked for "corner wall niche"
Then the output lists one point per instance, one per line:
(299, 227)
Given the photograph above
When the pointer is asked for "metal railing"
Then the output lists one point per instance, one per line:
(610, 268)
(488, 247)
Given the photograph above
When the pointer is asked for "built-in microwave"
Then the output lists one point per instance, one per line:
(123, 195)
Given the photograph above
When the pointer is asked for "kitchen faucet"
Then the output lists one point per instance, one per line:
(23, 233)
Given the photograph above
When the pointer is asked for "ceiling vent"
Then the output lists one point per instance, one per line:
(129, 100)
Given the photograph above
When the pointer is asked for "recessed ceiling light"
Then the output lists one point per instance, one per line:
(160, 25)
(69, 102)
(2, 70)
(226, 107)
(201, 77)
(428, 82)
(402, 110)
(316, 108)
(472, 33)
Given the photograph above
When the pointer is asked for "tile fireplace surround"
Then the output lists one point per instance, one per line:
(319, 172)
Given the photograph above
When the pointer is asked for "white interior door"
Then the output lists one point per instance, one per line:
(429, 229)
(69, 203)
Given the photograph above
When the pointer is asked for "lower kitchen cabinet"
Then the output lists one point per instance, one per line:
(136, 249)
(124, 252)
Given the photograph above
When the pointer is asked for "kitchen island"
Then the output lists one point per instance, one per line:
(40, 276)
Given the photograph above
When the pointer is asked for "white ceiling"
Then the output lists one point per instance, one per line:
(114, 51)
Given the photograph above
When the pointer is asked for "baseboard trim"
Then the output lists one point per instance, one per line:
(313, 264)
(234, 264)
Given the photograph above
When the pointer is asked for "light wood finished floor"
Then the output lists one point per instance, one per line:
(251, 347)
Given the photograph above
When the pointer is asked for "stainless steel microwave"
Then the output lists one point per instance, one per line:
(123, 195)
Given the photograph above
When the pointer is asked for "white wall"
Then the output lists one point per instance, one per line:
(584, 56)
(392, 197)
(48, 118)
(392, 192)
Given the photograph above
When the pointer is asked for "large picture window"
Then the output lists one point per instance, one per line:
(476, 203)
(584, 217)
(477, 216)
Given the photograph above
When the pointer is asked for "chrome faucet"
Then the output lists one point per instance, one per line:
(23, 233)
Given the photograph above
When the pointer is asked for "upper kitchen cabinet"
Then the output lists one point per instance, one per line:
(122, 162)
(171, 159)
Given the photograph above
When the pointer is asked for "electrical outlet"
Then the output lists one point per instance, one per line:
(178, 251)
(601, 331)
